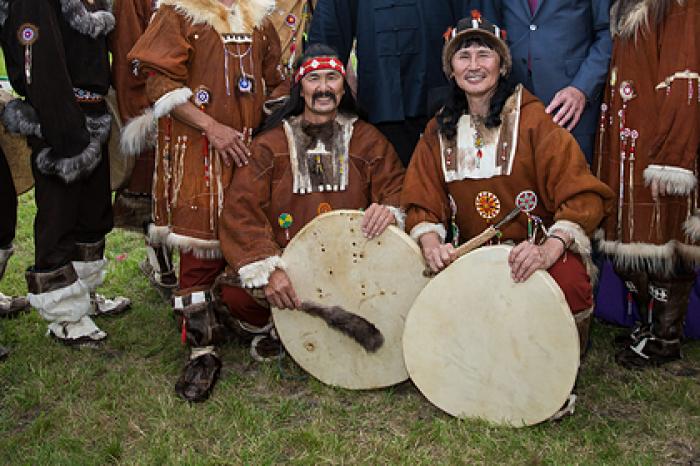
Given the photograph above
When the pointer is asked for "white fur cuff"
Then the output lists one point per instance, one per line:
(170, 100)
(691, 227)
(427, 227)
(399, 215)
(139, 134)
(581, 242)
(678, 181)
(257, 274)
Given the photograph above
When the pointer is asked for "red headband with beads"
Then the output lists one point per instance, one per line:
(319, 63)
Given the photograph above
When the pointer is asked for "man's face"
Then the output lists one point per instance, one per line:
(322, 91)
(476, 69)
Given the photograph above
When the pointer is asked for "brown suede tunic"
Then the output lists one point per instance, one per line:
(658, 134)
(262, 191)
(132, 17)
(547, 161)
(187, 46)
(291, 19)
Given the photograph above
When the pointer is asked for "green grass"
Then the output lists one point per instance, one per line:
(117, 405)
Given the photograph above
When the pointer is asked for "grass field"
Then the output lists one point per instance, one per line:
(117, 405)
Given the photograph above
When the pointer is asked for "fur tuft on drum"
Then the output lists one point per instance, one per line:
(361, 290)
(479, 345)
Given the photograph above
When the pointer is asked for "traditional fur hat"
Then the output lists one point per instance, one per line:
(476, 26)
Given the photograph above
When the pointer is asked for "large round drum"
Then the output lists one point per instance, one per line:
(479, 345)
(17, 153)
(331, 263)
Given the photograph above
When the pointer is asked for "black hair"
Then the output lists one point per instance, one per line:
(456, 103)
(295, 104)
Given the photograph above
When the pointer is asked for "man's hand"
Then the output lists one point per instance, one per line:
(437, 255)
(280, 292)
(228, 143)
(570, 102)
(376, 219)
(526, 258)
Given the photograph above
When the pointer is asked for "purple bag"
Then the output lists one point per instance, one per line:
(611, 303)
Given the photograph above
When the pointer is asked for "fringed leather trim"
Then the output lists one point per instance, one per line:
(678, 181)
(399, 215)
(241, 17)
(200, 248)
(167, 102)
(20, 118)
(257, 274)
(139, 134)
(691, 227)
(93, 24)
(70, 169)
(581, 245)
(427, 227)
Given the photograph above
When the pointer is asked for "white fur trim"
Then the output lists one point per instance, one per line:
(139, 134)
(157, 235)
(92, 273)
(200, 351)
(67, 304)
(257, 274)
(678, 181)
(170, 100)
(654, 258)
(691, 227)
(241, 17)
(201, 248)
(581, 244)
(85, 327)
(427, 227)
(399, 215)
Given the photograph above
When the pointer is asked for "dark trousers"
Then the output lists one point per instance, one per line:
(78, 212)
(8, 204)
(404, 135)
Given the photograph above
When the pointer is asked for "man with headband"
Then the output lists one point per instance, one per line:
(313, 155)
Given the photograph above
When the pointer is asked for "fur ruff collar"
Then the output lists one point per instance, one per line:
(242, 17)
(91, 23)
(637, 18)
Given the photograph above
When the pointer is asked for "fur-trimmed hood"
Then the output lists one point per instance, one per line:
(242, 17)
(628, 17)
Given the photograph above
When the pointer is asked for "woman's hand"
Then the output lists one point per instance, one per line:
(526, 258)
(437, 255)
(376, 219)
(280, 292)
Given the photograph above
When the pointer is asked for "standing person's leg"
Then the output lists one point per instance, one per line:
(404, 136)
(54, 287)
(92, 225)
(199, 324)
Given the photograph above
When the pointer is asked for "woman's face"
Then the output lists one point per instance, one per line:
(476, 69)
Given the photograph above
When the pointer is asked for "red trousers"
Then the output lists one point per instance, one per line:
(198, 274)
(570, 274)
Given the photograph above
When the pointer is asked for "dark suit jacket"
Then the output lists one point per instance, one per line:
(399, 46)
(569, 44)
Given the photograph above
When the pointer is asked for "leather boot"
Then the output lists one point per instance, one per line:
(669, 304)
(637, 284)
(202, 331)
(64, 301)
(158, 268)
(5, 254)
(91, 269)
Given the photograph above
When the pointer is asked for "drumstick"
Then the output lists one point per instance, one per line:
(364, 332)
(480, 239)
